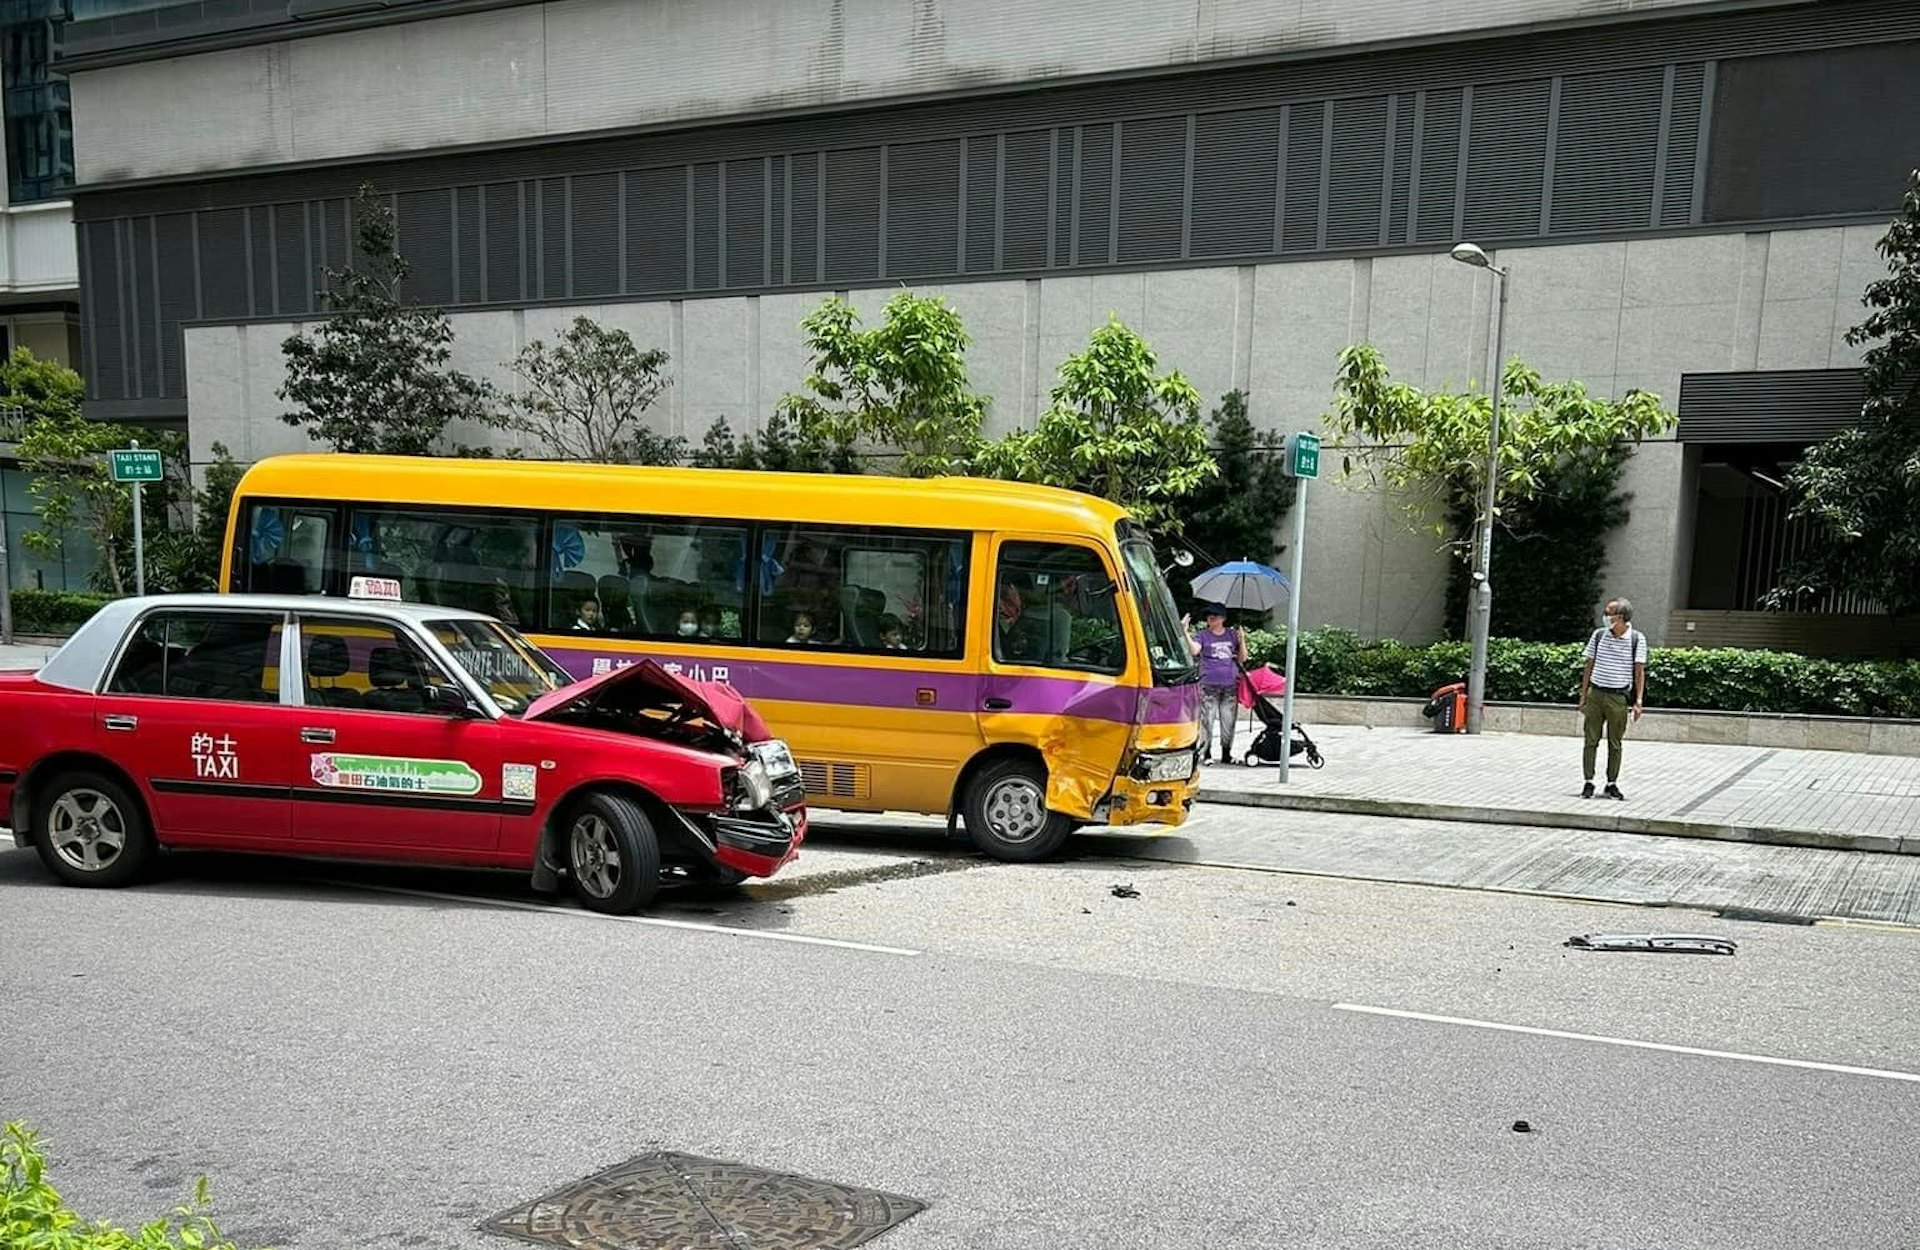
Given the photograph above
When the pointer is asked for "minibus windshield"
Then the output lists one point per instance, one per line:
(1167, 645)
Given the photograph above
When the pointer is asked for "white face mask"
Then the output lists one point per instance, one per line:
(689, 628)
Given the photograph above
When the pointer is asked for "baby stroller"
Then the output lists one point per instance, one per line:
(1261, 689)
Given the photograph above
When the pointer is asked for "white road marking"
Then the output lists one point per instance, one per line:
(1845, 1069)
(763, 935)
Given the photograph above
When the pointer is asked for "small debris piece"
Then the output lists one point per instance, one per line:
(1086, 911)
(1291, 903)
(1676, 943)
(1521, 1126)
(1125, 891)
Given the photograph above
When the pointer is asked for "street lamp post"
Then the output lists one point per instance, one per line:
(1480, 603)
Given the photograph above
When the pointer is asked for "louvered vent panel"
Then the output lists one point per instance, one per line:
(1357, 172)
(173, 251)
(426, 241)
(1029, 173)
(806, 217)
(503, 241)
(223, 274)
(1400, 190)
(982, 190)
(1506, 159)
(469, 245)
(1683, 147)
(777, 212)
(336, 241)
(260, 258)
(853, 215)
(101, 308)
(705, 208)
(656, 230)
(1153, 171)
(746, 223)
(295, 279)
(1439, 168)
(1236, 160)
(836, 779)
(1608, 136)
(923, 209)
(556, 223)
(141, 294)
(1306, 142)
(596, 235)
(1093, 219)
(1065, 157)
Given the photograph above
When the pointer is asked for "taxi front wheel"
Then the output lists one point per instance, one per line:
(1006, 813)
(91, 831)
(613, 856)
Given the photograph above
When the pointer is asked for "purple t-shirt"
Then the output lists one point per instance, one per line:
(1218, 656)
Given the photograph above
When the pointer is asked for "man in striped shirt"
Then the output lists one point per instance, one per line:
(1615, 678)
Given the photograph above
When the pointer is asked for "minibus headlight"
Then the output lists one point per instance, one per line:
(1164, 766)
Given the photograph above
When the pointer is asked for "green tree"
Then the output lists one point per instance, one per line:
(372, 377)
(1232, 516)
(188, 558)
(1861, 488)
(1557, 443)
(901, 385)
(586, 397)
(781, 446)
(39, 388)
(1115, 428)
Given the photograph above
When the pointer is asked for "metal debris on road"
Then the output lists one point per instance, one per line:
(1125, 891)
(1678, 943)
(1521, 1126)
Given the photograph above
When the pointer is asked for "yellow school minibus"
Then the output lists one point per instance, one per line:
(1007, 655)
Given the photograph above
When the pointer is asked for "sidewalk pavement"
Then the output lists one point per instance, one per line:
(1736, 793)
(23, 655)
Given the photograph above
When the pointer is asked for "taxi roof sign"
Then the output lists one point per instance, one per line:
(386, 589)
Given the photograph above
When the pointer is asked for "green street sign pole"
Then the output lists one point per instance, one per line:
(1303, 465)
(139, 537)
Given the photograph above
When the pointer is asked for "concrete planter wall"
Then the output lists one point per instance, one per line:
(1760, 729)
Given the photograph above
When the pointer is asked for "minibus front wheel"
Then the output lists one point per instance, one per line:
(1006, 812)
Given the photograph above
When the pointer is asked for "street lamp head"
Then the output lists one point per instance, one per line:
(1471, 254)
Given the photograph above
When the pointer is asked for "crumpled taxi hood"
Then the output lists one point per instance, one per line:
(716, 702)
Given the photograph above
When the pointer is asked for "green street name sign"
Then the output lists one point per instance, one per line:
(1303, 455)
(134, 465)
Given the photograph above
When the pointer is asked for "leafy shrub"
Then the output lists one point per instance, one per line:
(54, 611)
(1337, 661)
(32, 1212)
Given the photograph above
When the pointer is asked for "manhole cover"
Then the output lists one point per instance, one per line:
(666, 1201)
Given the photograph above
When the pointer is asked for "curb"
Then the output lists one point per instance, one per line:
(1764, 835)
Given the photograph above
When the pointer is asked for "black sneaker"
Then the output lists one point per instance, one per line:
(1613, 792)
(1586, 791)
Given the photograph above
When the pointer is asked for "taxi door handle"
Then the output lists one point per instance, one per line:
(122, 722)
(316, 735)
(998, 705)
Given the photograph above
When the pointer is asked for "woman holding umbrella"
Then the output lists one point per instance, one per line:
(1222, 652)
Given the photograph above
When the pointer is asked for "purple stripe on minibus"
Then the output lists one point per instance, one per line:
(779, 681)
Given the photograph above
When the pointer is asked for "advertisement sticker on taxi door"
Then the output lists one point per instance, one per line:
(394, 773)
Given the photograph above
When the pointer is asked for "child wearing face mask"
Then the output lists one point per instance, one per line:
(689, 626)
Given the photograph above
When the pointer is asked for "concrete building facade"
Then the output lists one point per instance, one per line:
(1688, 196)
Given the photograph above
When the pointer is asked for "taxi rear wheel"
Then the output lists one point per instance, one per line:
(90, 830)
(1006, 813)
(613, 855)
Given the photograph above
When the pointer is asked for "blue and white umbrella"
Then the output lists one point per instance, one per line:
(1243, 585)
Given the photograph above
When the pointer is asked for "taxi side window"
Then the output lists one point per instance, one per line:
(231, 656)
(365, 664)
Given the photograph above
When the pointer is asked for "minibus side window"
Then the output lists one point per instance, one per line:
(287, 549)
(1055, 607)
(484, 563)
(863, 588)
(648, 579)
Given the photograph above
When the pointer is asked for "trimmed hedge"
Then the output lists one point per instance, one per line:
(57, 612)
(1719, 679)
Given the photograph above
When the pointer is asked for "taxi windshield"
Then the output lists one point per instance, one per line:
(508, 667)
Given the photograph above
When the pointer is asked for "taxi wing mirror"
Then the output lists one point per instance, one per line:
(449, 701)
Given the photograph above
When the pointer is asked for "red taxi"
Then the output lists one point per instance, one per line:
(349, 728)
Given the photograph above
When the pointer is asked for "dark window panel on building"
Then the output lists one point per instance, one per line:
(143, 301)
(804, 237)
(777, 221)
(1306, 152)
(1093, 218)
(1814, 134)
(336, 243)
(1439, 180)
(1236, 160)
(426, 242)
(501, 202)
(223, 271)
(101, 310)
(555, 222)
(1506, 159)
(656, 230)
(983, 196)
(706, 227)
(296, 278)
(37, 102)
(1356, 172)
(1394, 226)
(173, 254)
(470, 245)
(746, 223)
(595, 262)
(1153, 179)
(1683, 147)
(1025, 190)
(1066, 159)
(853, 222)
(1606, 142)
(259, 261)
(923, 209)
